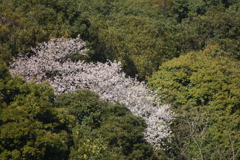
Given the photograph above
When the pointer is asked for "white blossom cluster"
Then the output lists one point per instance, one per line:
(51, 62)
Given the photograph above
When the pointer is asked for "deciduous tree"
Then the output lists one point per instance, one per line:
(51, 63)
(203, 89)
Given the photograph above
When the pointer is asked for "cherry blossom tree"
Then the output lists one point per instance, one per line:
(52, 63)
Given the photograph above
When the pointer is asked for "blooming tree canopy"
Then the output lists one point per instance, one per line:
(51, 63)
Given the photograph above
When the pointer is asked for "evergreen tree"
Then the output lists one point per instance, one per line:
(28, 122)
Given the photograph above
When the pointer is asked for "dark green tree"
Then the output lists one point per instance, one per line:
(104, 130)
(25, 23)
(218, 27)
(30, 128)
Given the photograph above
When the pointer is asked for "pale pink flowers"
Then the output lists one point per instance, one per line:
(51, 63)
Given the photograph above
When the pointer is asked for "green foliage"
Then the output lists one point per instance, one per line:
(142, 34)
(9, 87)
(166, 6)
(115, 24)
(216, 27)
(134, 32)
(25, 23)
(80, 126)
(28, 123)
(104, 130)
(182, 9)
(203, 88)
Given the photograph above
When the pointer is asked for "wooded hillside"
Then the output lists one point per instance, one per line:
(146, 79)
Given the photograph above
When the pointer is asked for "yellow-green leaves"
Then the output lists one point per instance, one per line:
(203, 88)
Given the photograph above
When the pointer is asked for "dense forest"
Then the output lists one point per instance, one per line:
(120, 79)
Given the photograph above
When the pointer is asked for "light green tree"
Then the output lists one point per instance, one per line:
(203, 89)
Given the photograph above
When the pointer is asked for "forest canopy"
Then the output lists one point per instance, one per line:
(37, 125)
(203, 89)
(183, 56)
